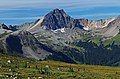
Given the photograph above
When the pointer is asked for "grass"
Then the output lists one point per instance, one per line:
(96, 40)
(22, 68)
(116, 39)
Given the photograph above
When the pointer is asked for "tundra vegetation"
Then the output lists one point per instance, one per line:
(15, 67)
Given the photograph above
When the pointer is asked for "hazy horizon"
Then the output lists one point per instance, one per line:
(18, 12)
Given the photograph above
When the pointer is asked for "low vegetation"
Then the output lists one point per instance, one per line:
(22, 68)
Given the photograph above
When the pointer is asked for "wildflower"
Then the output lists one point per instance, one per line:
(9, 69)
(47, 66)
(39, 77)
(28, 77)
(58, 68)
(9, 61)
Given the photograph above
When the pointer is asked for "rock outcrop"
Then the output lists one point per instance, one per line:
(25, 44)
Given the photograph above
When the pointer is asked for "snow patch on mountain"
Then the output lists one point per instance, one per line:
(62, 30)
(86, 28)
(108, 21)
(38, 24)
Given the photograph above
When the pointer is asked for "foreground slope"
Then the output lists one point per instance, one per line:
(21, 68)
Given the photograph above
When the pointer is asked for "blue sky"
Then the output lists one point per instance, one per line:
(20, 11)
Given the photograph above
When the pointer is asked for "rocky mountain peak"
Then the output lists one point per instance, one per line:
(56, 19)
(58, 11)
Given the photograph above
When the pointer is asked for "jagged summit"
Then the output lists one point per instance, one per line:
(56, 19)
(58, 11)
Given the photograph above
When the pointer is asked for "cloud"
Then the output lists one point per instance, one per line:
(30, 3)
(57, 3)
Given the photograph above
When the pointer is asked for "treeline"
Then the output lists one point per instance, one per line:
(99, 54)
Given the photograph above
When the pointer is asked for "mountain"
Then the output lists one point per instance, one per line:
(57, 36)
(3, 26)
(59, 20)
(24, 25)
(55, 19)
(91, 24)
(25, 44)
(4, 29)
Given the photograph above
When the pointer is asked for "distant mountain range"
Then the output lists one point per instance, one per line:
(58, 36)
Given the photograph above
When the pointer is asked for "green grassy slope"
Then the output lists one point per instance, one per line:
(116, 39)
(22, 68)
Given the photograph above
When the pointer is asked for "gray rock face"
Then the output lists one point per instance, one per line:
(56, 19)
(4, 29)
(3, 26)
(115, 22)
(75, 23)
(25, 44)
(95, 24)
(24, 25)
